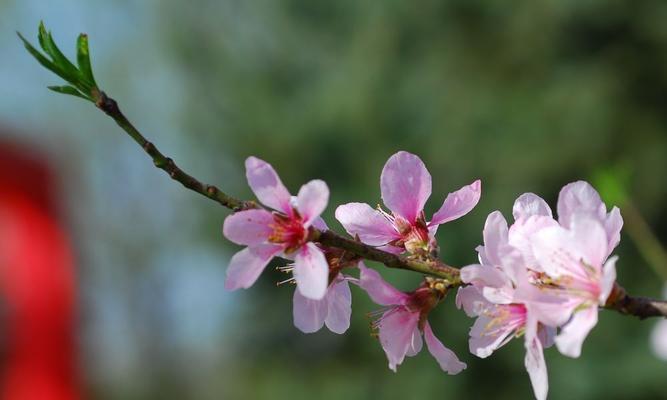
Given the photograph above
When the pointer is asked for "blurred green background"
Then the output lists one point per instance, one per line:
(525, 95)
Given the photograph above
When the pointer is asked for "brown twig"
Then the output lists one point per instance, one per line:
(637, 306)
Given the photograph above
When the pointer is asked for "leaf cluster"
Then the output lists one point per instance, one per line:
(80, 77)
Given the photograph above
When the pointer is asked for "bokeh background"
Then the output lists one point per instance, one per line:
(527, 96)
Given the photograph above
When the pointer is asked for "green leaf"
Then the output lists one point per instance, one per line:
(69, 72)
(83, 58)
(81, 80)
(46, 63)
(71, 90)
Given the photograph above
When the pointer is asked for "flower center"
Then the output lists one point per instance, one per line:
(288, 231)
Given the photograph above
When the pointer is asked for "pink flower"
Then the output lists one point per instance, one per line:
(283, 232)
(574, 259)
(406, 185)
(659, 336)
(333, 310)
(501, 315)
(404, 320)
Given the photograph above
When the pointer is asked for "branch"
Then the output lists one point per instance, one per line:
(84, 86)
(640, 307)
(110, 108)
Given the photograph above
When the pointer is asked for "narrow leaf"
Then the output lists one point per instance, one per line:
(46, 63)
(68, 90)
(83, 58)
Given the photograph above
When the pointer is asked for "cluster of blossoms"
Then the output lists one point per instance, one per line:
(541, 279)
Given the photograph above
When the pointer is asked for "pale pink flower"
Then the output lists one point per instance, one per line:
(404, 319)
(333, 310)
(283, 232)
(406, 185)
(501, 315)
(659, 336)
(574, 259)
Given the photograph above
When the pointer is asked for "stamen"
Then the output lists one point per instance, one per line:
(288, 280)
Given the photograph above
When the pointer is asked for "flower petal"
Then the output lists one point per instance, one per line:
(608, 279)
(484, 276)
(579, 198)
(561, 251)
(495, 235)
(378, 289)
(266, 185)
(397, 328)
(248, 227)
(308, 314)
(530, 204)
(535, 364)
(573, 334)
(339, 306)
(405, 184)
(371, 227)
(483, 340)
(521, 235)
(311, 271)
(445, 357)
(471, 300)
(613, 224)
(246, 265)
(312, 200)
(458, 203)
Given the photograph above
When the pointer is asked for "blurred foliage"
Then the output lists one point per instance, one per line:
(527, 96)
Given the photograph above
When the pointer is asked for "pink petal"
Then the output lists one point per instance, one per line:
(246, 265)
(591, 238)
(548, 309)
(471, 300)
(320, 224)
(339, 306)
(248, 227)
(608, 279)
(405, 184)
(486, 336)
(311, 271)
(484, 276)
(416, 343)
(312, 200)
(573, 334)
(613, 224)
(445, 357)
(560, 251)
(392, 249)
(535, 364)
(458, 204)
(521, 235)
(530, 204)
(495, 237)
(397, 328)
(371, 227)
(308, 314)
(266, 185)
(379, 291)
(579, 198)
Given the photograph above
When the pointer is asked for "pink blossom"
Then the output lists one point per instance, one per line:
(404, 320)
(659, 336)
(406, 185)
(568, 261)
(501, 315)
(573, 258)
(282, 232)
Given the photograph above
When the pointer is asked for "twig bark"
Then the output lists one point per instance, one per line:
(619, 300)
